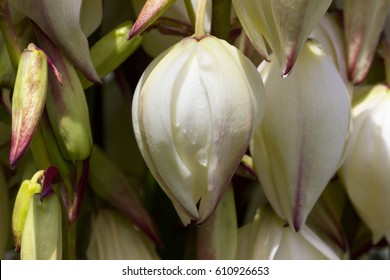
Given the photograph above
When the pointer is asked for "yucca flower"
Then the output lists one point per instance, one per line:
(194, 111)
(299, 145)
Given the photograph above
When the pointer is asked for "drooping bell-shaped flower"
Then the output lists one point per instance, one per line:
(285, 25)
(115, 238)
(365, 171)
(194, 111)
(68, 24)
(267, 238)
(300, 143)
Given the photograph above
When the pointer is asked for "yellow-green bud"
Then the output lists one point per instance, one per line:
(27, 189)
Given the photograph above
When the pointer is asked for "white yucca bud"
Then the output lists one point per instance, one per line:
(300, 143)
(365, 171)
(194, 110)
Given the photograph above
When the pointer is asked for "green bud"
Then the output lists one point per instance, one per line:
(67, 106)
(112, 50)
(42, 233)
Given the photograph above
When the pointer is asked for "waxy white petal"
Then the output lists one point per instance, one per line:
(300, 143)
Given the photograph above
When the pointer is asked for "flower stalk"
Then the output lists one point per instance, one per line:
(199, 23)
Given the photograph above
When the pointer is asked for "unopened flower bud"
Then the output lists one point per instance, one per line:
(28, 100)
(300, 143)
(365, 170)
(194, 111)
(67, 106)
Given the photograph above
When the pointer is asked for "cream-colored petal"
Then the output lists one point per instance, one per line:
(231, 113)
(300, 143)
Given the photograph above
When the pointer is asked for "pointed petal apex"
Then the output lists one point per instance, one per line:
(151, 11)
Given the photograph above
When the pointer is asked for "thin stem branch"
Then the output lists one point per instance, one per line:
(199, 23)
(190, 11)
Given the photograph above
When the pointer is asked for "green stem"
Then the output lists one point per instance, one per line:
(220, 24)
(190, 11)
(9, 34)
(199, 23)
(71, 241)
(37, 175)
